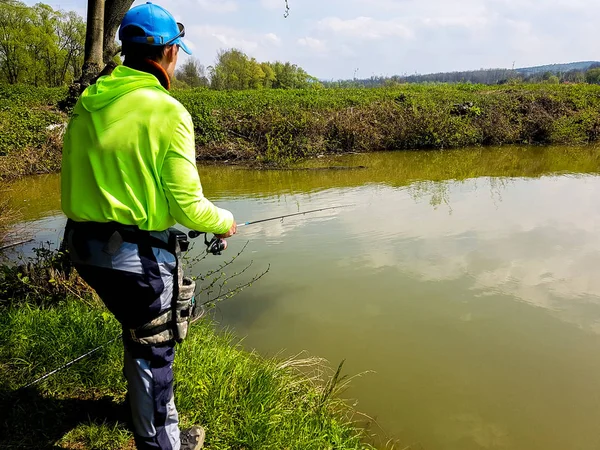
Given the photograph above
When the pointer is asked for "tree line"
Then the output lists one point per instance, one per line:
(235, 70)
(38, 45)
(41, 46)
(589, 75)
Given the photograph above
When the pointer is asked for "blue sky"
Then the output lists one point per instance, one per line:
(334, 39)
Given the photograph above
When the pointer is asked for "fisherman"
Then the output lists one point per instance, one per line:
(128, 175)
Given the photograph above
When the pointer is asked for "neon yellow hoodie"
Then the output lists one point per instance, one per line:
(129, 157)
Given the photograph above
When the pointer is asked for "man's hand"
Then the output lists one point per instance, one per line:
(230, 233)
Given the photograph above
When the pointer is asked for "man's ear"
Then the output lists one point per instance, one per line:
(170, 53)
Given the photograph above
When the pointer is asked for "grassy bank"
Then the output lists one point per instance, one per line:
(29, 141)
(243, 400)
(279, 126)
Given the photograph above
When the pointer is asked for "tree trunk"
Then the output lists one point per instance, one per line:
(113, 15)
(103, 20)
(93, 59)
(92, 62)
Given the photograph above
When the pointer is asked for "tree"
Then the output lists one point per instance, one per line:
(269, 75)
(578, 77)
(57, 43)
(256, 76)
(235, 70)
(39, 45)
(71, 34)
(94, 43)
(231, 70)
(46, 47)
(103, 20)
(290, 76)
(114, 12)
(592, 76)
(15, 24)
(193, 74)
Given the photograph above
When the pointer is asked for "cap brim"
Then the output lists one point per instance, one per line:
(183, 46)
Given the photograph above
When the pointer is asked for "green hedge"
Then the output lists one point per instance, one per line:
(281, 125)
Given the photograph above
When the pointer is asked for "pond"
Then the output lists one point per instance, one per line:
(462, 285)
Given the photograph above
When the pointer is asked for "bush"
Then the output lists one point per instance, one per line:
(44, 280)
(277, 126)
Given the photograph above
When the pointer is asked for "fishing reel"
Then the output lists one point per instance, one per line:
(215, 246)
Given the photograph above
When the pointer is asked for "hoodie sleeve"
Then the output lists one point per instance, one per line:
(181, 183)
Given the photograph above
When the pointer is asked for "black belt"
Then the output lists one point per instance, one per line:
(114, 234)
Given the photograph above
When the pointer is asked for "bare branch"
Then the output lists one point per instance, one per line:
(236, 290)
(287, 10)
(220, 268)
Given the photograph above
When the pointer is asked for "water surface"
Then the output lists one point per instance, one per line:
(465, 281)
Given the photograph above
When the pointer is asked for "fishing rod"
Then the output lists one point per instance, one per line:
(15, 244)
(70, 363)
(199, 315)
(216, 245)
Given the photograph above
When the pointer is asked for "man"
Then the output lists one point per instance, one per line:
(128, 175)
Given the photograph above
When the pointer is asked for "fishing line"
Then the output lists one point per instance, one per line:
(191, 234)
(100, 347)
(216, 245)
(70, 363)
(195, 234)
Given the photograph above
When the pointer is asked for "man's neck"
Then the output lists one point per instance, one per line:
(153, 68)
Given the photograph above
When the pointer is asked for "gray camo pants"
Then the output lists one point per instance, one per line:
(136, 284)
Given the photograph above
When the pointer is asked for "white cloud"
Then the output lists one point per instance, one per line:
(212, 38)
(365, 27)
(218, 6)
(226, 37)
(316, 45)
(379, 4)
(273, 38)
(457, 21)
(272, 4)
(388, 37)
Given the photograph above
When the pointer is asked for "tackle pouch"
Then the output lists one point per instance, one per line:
(171, 325)
(183, 292)
(183, 308)
(156, 332)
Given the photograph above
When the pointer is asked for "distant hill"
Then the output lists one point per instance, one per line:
(569, 72)
(558, 68)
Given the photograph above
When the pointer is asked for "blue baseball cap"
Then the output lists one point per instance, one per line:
(158, 25)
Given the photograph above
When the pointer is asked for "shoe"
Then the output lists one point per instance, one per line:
(192, 438)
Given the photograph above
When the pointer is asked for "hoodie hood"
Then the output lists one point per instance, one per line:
(121, 81)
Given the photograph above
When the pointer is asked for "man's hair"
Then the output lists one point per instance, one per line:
(134, 51)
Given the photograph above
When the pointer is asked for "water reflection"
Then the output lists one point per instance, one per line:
(539, 241)
(465, 280)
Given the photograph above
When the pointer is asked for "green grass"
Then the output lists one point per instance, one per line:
(249, 402)
(279, 126)
(25, 113)
(101, 436)
(242, 399)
